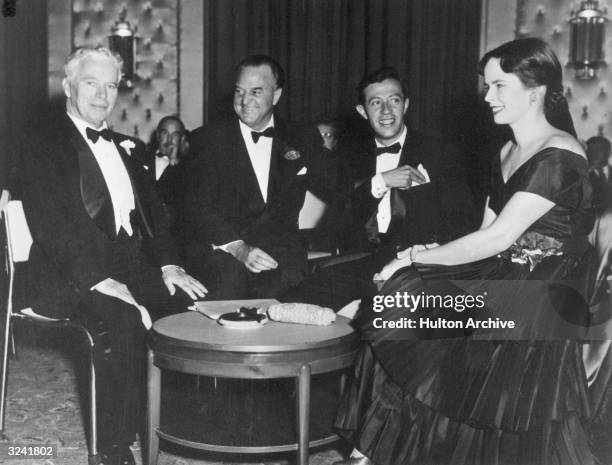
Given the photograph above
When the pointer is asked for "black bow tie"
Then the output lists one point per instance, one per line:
(395, 148)
(94, 135)
(268, 132)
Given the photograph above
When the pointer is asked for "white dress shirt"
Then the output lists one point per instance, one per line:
(115, 175)
(385, 162)
(260, 154)
(161, 163)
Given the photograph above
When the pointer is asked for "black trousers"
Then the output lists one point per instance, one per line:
(120, 368)
(121, 341)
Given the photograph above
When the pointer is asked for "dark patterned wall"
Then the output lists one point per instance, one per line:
(155, 91)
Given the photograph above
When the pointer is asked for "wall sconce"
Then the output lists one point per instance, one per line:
(122, 41)
(587, 33)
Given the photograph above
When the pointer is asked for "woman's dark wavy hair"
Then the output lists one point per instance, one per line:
(533, 61)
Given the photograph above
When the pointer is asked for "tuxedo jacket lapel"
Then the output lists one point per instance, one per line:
(94, 191)
(372, 157)
(151, 167)
(239, 163)
(410, 153)
(275, 169)
(278, 164)
(398, 206)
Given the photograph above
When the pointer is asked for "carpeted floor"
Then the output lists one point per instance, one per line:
(43, 407)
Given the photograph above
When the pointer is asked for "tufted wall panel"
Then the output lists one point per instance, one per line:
(155, 91)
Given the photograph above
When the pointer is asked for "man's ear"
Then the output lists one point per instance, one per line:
(361, 110)
(277, 95)
(66, 87)
(406, 105)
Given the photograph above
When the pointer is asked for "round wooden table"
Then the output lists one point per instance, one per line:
(194, 344)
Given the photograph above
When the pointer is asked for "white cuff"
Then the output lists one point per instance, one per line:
(224, 246)
(93, 288)
(165, 267)
(379, 188)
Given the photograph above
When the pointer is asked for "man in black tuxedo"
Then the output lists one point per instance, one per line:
(410, 189)
(102, 253)
(165, 162)
(600, 172)
(247, 186)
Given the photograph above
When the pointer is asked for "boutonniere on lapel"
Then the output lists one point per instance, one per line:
(291, 154)
(127, 145)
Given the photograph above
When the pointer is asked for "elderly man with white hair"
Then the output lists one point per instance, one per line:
(102, 252)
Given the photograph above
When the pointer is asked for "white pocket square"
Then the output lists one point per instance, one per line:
(302, 172)
(423, 171)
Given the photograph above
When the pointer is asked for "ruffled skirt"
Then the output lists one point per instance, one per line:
(493, 423)
(457, 400)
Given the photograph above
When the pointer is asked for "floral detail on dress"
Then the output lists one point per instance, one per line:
(532, 247)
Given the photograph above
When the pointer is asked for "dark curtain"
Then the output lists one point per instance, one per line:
(23, 78)
(325, 46)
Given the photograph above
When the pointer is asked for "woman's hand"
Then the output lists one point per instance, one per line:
(391, 268)
(404, 258)
(411, 252)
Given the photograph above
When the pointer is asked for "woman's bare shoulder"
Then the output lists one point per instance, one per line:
(565, 141)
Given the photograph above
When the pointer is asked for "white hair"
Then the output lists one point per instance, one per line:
(75, 58)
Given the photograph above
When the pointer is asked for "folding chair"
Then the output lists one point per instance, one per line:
(16, 240)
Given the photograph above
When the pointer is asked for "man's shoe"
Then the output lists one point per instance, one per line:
(355, 461)
(116, 455)
(109, 454)
(127, 458)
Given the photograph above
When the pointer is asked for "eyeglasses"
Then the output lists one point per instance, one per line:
(328, 134)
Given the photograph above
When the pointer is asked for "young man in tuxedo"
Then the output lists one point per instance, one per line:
(102, 253)
(410, 189)
(247, 186)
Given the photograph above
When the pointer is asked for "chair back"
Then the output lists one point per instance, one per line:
(16, 242)
(312, 211)
(18, 237)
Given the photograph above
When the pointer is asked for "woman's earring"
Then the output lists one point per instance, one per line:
(532, 97)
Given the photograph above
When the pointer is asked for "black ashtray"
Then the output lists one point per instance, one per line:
(244, 314)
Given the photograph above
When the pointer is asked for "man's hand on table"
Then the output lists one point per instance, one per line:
(255, 259)
(176, 276)
(113, 288)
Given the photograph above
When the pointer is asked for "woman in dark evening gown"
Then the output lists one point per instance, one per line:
(521, 398)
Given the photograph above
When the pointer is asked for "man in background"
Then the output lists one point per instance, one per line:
(600, 172)
(165, 161)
